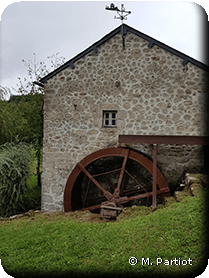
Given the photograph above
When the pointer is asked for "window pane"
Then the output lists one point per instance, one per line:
(109, 118)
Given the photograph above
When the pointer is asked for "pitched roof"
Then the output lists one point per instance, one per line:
(122, 28)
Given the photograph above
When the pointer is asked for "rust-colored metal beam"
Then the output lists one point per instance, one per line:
(109, 182)
(84, 201)
(104, 178)
(135, 180)
(117, 189)
(129, 191)
(164, 139)
(164, 190)
(92, 201)
(104, 173)
(107, 194)
(89, 208)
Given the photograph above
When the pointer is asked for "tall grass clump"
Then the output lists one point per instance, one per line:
(15, 159)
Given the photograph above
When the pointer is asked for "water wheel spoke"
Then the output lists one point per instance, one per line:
(136, 191)
(122, 186)
(104, 178)
(135, 180)
(95, 201)
(129, 191)
(145, 195)
(84, 201)
(117, 190)
(106, 193)
(90, 208)
(112, 186)
(105, 173)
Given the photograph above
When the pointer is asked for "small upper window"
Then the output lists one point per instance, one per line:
(109, 118)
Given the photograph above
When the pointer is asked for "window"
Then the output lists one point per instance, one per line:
(109, 119)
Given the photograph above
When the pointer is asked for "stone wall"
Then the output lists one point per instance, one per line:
(152, 92)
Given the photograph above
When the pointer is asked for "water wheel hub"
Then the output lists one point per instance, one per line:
(110, 209)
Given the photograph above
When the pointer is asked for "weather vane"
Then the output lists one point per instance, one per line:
(122, 12)
(122, 16)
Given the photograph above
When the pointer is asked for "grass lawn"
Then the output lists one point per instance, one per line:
(80, 243)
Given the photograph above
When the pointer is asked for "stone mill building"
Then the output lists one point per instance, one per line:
(127, 83)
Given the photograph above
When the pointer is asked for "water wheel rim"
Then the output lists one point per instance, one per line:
(117, 152)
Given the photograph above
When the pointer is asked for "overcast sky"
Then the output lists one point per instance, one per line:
(69, 27)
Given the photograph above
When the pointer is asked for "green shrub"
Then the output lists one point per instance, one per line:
(15, 158)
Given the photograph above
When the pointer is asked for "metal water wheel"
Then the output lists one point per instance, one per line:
(109, 179)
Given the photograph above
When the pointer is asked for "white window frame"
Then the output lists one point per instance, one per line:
(109, 118)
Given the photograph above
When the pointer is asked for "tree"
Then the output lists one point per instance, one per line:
(37, 70)
(32, 109)
(22, 115)
(33, 112)
(12, 122)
